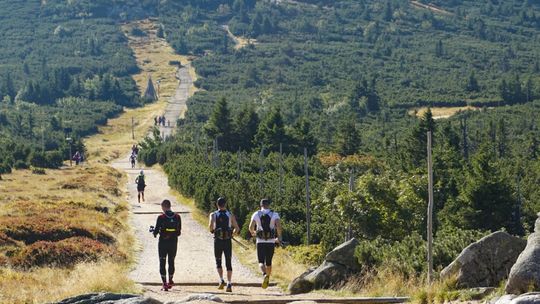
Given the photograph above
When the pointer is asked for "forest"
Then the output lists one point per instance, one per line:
(61, 76)
(340, 80)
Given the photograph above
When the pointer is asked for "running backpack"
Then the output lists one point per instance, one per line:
(267, 232)
(223, 227)
(170, 226)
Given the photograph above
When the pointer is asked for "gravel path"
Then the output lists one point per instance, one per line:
(177, 105)
(195, 264)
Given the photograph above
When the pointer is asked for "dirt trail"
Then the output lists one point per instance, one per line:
(177, 104)
(431, 8)
(240, 42)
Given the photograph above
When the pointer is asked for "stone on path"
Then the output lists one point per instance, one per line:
(200, 297)
(109, 298)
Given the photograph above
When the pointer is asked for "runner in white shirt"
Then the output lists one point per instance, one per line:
(266, 227)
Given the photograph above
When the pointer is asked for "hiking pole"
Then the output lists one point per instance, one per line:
(240, 243)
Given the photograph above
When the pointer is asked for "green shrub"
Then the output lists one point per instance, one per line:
(310, 255)
(20, 164)
(409, 255)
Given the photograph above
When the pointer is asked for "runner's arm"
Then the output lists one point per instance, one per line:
(211, 223)
(279, 230)
(252, 226)
(179, 225)
(236, 228)
(157, 228)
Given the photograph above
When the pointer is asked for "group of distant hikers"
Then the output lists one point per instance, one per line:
(265, 226)
(161, 120)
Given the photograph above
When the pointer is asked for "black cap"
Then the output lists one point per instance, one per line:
(221, 201)
(265, 202)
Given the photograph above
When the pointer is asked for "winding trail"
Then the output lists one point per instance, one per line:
(195, 265)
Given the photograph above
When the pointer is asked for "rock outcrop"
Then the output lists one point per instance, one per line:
(486, 262)
(526, 298)
(109, 298)
(525, 274)
(338, 264)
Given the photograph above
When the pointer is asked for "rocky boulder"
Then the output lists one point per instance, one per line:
(526, 298)
(486, 262)
(525, 274)
(109, 298)
(338, 264)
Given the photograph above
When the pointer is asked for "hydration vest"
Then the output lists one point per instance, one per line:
(223, 230)
(170, 226)
(266, 232)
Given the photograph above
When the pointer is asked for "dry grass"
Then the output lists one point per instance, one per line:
(43, 285)
(153, 57)
(46, 216)
(442, 112)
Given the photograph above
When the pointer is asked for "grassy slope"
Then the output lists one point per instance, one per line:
(79, 192)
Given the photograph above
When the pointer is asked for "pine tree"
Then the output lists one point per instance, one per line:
(472, 83)
(245, 124)
(349, 140)
(219, 126)
(271, 132)
(486, 194)
(439, 50)
(416, 142)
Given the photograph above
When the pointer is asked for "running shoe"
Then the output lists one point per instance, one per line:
(266, 281)
(221, 284)
(165, 287)
(171, 284)
(229, 288)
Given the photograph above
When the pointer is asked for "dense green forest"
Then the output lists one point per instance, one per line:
(64, 69)
(339, 78)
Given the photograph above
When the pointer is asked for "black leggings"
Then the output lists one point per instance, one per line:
(223, 247)
(265, 253)
(167, 248)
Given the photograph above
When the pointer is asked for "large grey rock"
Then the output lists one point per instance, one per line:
(109, 298)
(344, 255)
(300, 284)
(486, 262)
(525, 274)
(338, 264)
(198, 298)
(527, 298)
(505, 299)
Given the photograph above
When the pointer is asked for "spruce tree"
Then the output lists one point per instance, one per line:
(219, 126)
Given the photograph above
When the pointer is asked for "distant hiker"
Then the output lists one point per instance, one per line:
(135, 150)
(77, 158)
(133, 159)
(159, 120)
(155, 121)
(265, 225)
(223, 225)
(163, 120)
(82, 157)
(169, 228)
(141, 184)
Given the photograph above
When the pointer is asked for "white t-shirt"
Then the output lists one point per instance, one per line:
(274, 216)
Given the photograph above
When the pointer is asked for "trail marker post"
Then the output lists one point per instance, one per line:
(308, 199)
(430, 211)
(132, 128)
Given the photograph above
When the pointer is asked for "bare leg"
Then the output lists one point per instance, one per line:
(220, 273)
(263, 267)
(142, 196)
(229, 276)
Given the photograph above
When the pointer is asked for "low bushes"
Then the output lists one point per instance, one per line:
(63, 253)
(408, 256)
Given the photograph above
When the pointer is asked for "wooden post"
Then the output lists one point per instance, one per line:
(351, 189)
(238, 155)
(132, 128)
(308, 199)
(261, 171)
(430, 211)
(281, 169)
